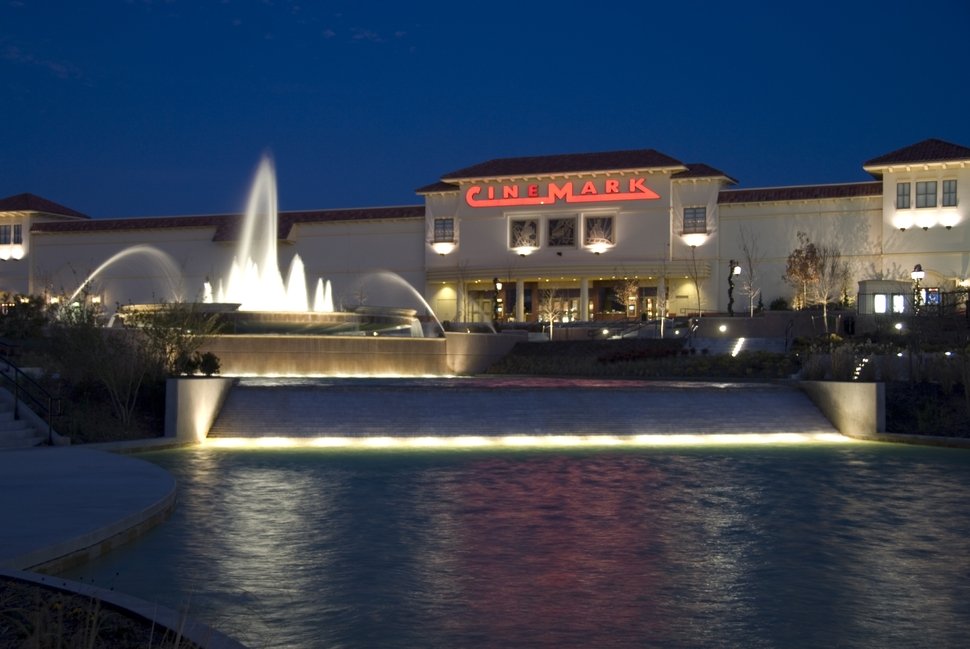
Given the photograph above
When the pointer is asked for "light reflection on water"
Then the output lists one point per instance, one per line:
(858, 545)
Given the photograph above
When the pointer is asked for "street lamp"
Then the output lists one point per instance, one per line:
(497, 302)
(734, 268)
(918, 274)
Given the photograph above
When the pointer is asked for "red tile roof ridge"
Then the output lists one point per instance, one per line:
(27, 202)
(566, 163)
(770, 187)
(800, 192)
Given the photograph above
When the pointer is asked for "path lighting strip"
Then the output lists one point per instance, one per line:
(521, 441)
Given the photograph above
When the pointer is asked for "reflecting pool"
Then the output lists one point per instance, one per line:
(809, 545)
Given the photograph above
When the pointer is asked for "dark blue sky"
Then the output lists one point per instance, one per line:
(164, 107)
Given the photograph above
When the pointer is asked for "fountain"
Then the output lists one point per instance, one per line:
(163, 259)
(274, 326)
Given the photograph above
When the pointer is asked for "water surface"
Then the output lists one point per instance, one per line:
(858, 545)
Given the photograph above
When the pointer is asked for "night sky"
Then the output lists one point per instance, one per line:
(163, 107)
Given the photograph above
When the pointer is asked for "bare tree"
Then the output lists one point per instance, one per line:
(550, 307)
(818, 273)
(751, 260)
(628, 292)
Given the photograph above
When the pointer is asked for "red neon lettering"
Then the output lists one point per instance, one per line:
(556, 192)
(564, 192)
(636, 185)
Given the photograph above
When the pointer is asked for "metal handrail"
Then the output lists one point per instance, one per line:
(26, 389)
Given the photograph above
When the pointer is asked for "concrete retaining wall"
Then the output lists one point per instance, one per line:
(473, 353)
(192, 404)
(856, 409)
(279, 355)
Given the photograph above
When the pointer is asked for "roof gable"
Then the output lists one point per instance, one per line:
(546, 165)
(33, 203)
(931, 150)
(701, 170)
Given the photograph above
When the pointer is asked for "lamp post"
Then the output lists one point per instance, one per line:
(497, 302)
(918, 274)
(734, 268)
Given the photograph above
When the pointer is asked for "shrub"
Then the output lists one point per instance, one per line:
(207, 363)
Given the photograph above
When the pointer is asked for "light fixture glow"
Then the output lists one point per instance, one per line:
(738, 346)
(694, 239)
(522, 441)
(443, 247)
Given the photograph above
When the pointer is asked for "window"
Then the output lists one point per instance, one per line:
(444, 230)
(562, 232)
(524, 234)
(949, 193)
(695, 219)
(5, 234)
(599, 230)
(899, 304)
(926, 193)
(879, 303)
(902, 196)
(18, 233)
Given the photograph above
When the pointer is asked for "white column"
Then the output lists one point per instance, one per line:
(520, 300)
(584, 299)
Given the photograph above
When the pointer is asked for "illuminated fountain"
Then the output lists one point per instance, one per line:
(254, 298)
(168, 266)
(255, 281)
(274, 327)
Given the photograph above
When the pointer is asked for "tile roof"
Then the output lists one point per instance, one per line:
(34, 203)
(439, 186)
(701, 170)
(931, 150)
(799, 193)
(566, 163)
(227, 225)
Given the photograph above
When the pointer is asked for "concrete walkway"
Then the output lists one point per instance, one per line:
(64, 505)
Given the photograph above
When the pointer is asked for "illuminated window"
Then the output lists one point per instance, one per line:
(949, 193)
(899, 304)
(695, 219)
(926, 193)
(18, 233)
(444, 230)
(902, 195)
(879, 303)
(599, 230)
(5, 231)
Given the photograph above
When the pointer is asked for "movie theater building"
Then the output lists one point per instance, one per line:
(606, 235)
(582, 237)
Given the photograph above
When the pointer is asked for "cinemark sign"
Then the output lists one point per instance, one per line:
(634, 189)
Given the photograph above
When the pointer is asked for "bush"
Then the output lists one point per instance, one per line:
(779, 304)
(207, 363)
